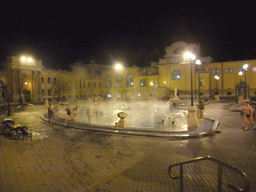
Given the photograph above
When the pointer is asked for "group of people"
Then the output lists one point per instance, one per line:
(166, 120)
(247, 113)
(73, 113)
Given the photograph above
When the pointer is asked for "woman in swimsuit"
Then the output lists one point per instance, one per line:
(68, 109)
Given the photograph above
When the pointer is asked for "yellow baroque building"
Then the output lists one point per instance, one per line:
(25, 79)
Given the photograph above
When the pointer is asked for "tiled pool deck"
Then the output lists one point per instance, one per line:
(67, 159)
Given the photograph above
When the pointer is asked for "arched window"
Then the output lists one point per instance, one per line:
(119, 81)
(49, 80)
(179, 51)
(108, 82)
(55, 92)
(42, 80)
(176, 75)
(129, 81)
(55, 81)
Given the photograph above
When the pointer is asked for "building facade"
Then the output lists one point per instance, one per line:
(25, 79)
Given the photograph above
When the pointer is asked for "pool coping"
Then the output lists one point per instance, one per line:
(201, 131)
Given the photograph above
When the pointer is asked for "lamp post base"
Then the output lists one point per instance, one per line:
(192, 120)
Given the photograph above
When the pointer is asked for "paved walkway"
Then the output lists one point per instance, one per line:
(64, 159)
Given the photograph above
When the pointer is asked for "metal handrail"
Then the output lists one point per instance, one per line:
(220, 165)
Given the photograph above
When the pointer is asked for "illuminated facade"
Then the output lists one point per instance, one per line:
(26, 79)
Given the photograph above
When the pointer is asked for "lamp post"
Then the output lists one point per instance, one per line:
(239, 90)
(217, 78)
(245, 67)
(192, 119)
(198, 63)
(240, 74)
(192, 58)
(23, 61)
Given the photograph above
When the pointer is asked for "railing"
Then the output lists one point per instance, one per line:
(220, 165)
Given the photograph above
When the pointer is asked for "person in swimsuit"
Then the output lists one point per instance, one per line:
(68, 109)
(247, 114)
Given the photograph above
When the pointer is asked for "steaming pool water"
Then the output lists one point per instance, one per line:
(140, 114)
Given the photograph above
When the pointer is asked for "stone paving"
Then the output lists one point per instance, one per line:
(65, 159)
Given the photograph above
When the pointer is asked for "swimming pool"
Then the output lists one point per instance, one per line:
(140, 114)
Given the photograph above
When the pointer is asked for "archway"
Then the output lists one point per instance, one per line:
(26, 93)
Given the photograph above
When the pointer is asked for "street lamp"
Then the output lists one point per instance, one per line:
(23, 60)
(198, 63)
(118, 66)
(240, 74)
(192, 119)
(245, 67)
(192, 58)
(217, 78)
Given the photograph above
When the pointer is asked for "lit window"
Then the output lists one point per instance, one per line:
(55, 92)
(108, 82)
(119, 81)
(229, 70)
(176, 75)
(201, 82)
(143, 82)
(216, 71)
(155, 84)
(49, 92)
(129, 81)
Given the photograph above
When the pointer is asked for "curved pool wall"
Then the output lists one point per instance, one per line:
(206, 127)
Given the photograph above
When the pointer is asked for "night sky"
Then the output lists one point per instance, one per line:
(129, 32)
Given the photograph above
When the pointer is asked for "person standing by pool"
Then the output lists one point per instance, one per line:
(46, 103)
(50, 113)
(90, 113)
(247, 114)
(68, 109)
